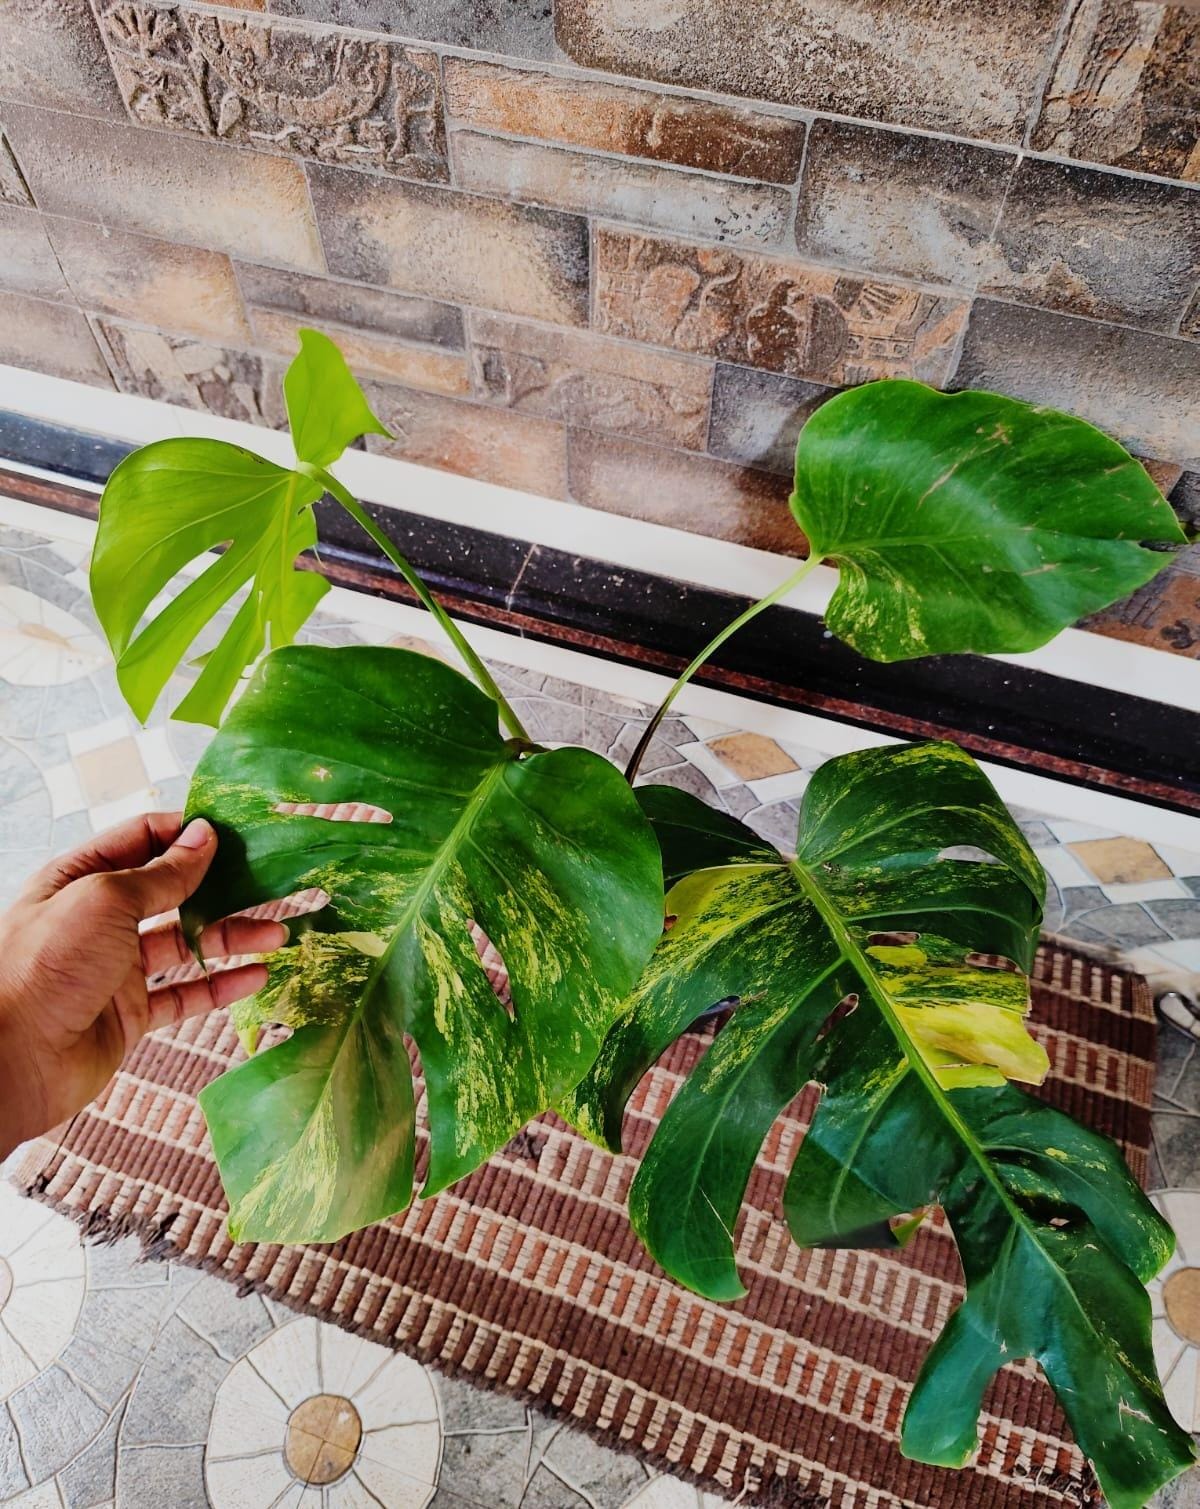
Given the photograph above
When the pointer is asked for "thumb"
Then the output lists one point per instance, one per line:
(169, 879)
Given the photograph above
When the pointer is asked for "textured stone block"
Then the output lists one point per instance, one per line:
(811, 322)
(454, 246)
(51, 54)
(358, 101)
(155, 282)
(183, 190)
(586, 380)
(49, 337)
(1126, 89)
(1141, 388)
(632, 122)
(1098, 244)
(27, 261)
(966, 66)
(683, 491)
(612, 188)
(376, 309)
(757, 416)
(1191, 320)
(1164, 614)
(13, 188)
(518, 28)
(888, 202)
(195, 374)
(475, 440)
(371, 355)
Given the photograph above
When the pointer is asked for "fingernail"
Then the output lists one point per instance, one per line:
(198, 833)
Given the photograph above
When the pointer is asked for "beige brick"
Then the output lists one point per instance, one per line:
(152, 281)
(198, 192)
(752, 757)
(195, 374)
(613, 188)
(453, 246)
(49, 337)
(361, 101)
(521, 451)
(683, 491)
(376, 309)
(968, 67)
(27, 261)
(1121, 861)
(633, 122)
(369, 355)
(591, 382)
(51, 54)
(805, 321)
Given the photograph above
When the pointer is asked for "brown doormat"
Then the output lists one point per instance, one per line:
(527, 1278)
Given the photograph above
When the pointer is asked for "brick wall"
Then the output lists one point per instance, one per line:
(616, 250)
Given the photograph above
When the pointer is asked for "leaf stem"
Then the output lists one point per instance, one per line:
(456, 636)
(711, 649)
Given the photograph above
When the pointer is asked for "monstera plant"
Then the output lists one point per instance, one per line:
(884, 960)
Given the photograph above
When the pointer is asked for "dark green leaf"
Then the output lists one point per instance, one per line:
(548, 853)
(326, 408)
(164, 506)
(970, 521)
(913, 1040)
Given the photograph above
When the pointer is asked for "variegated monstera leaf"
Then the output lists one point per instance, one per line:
(546, 851)
(856, 966)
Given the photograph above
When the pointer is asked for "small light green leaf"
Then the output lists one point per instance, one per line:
(856, 967)
(326, 408)
(970, 521)
(548, 853)
(164, 506)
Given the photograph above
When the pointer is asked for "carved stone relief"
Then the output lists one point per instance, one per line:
(354, 101)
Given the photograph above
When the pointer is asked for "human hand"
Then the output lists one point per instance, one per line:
(76, 970)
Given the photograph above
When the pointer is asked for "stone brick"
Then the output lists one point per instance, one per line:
(454, 246)
(518, 28)
(811, 322)
(1098, 244)
(613, 188)
(27, 261)
(359, 101)
(375, 309)
(690, 133)
(913, 206)
(970, 67)
(142, 278)
(49, 337)
(425, 367)
(683, 491)
(1141, 388)
(193, 191)
(1191, 319)
(757, 416)
(195, 374)
(13, 188)
(51, 54)
(475, 440)
(1126, 90)
(587, 380)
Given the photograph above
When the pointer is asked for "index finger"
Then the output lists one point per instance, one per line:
(125, 847)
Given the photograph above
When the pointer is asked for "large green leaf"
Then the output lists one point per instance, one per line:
(856, 967)
(547, 852)
(969, 521)
(170, 502)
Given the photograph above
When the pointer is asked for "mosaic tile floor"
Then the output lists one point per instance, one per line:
(135, 1385)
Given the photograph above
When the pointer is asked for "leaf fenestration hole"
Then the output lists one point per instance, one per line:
(891, 940)
(335, 812)
(994, 961)
(840, 1012)
(493, 966)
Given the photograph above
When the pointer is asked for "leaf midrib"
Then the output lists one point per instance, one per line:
(858, 961)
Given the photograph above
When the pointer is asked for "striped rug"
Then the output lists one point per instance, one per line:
(526, 1278)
